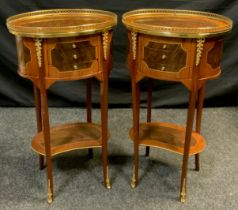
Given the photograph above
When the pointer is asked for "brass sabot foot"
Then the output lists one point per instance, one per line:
(108, 185)
(183, 198)
(133, 180)
(133, 183)
(50, 194)
(50, 199)
(183, 192)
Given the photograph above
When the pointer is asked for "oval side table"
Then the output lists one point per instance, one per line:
(174, 45)
(61, 45)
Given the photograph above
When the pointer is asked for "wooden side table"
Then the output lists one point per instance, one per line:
(59, 45)
(173, 45)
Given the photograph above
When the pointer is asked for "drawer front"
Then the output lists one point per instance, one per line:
(164, 58)
(73, 56)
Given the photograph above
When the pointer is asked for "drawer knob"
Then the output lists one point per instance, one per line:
(163, 56)
(75, 67)
(74, 45)
(75, 56)
(164, 46)
(162, 68)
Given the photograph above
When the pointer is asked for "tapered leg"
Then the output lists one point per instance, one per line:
(89, 109)
(38, 120)
(201, 94)
(39, 43)
(136, 121)
(46, 132)
(104, 122)
(149, 105)
(188, 134)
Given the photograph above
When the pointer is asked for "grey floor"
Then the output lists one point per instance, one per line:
(78, 180)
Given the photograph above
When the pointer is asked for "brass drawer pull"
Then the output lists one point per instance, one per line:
(74, 45)
(164, 46)
(75, 67)
(163, 56)
(75, 56)
(162, 68)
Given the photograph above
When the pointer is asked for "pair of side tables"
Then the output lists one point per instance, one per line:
(73, 44)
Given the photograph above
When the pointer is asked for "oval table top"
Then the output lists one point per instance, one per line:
(61, 22)
(177, 23)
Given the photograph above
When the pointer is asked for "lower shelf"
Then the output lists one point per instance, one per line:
(68, 137)
(168, 136)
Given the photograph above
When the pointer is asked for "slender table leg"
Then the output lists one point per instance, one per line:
(39, 120)
(46, 131)
(149, 105)
(136, 121)
(201, 94)
(39, 43)
(189, 128)
(104, 122)
(45, 118)
(89, 109)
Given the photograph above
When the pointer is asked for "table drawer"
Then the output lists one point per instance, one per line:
(157, 57)
(73, 56)
(163, 56)
(76, 56)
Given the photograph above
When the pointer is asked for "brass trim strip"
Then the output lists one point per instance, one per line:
(52, 155)
(134, 44)
(68, 31)
(200, 43)
(105, 43)
(38, 45)
(191, 154)
(176, 31)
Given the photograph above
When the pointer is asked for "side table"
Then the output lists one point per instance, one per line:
(62, 45)
(173, 45)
